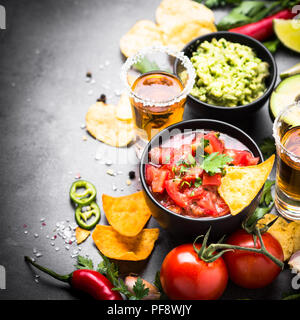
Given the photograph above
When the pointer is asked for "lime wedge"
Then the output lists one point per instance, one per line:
(288, 32)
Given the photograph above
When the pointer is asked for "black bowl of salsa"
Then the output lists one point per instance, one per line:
(183, 197)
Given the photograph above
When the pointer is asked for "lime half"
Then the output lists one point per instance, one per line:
(288, 32)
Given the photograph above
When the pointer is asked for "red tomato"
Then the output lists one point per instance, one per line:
(215, 144)
(249, 269)
(156, 177)
(193, 174)
(209, 180)
(172, 188)
(241, 157)
(184, 276)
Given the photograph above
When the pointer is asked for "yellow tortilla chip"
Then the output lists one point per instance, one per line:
(296, 235)
(144, 33)
(282, 231)
(103, 124)
(124, 111)
(115, 246)
(81, 235)
(177, 12)
(128, 214)
(181, 34)
(240, 185)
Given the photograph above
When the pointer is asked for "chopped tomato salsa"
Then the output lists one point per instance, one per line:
(184, 176)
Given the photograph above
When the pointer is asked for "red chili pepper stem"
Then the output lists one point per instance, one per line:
(65, 278)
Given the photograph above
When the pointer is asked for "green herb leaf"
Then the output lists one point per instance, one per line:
(198, 182)
(268, 147)
(215, 162)
(139, 289)
(266, 197)
(84, 263)
(111, 271)
(265, 205)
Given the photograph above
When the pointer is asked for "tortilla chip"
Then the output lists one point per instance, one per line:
(115, 246)
(180, 34)
(128, 214)
(282, 231)
(296, 235)
(124, 111)
(144, 33)
(174, 12)
(240, 185)
(103, 124)
(81, 235)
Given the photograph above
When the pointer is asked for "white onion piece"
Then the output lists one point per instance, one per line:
(294, 261)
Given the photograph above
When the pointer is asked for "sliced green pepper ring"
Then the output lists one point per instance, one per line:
(85, 197)
(82, 217)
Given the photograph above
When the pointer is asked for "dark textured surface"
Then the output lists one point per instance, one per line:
(44, 55)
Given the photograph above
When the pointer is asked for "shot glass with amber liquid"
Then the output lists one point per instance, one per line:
(157, 93)
(286, 131)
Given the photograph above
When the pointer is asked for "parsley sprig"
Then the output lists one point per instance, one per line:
(215, 163)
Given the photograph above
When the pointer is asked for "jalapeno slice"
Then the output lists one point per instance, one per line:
(85, 197)
(83, 217)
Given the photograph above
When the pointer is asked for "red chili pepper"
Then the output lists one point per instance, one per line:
(263, 29)
(89, 281)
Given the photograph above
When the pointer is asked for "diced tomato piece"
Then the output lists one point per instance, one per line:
(207, 202)
(215, 144)
(252, 161)
(214, 180)
(193, 174)
(155, 177)
(159, 155)
(241, 157)
(149, 174)
(158, 183)
(222, 207)
(195, 193)
(172, 188)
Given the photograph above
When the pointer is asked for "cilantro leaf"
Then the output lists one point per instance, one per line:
(266, 197)
(215, 162)
(111, 271)
(267, 147)
(198, 182)
(140, 290)
(84, 263)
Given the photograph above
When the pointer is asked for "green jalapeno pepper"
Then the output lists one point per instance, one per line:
(87, 196)
(82, 217)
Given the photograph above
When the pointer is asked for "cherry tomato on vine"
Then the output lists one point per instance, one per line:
(249, 269)
(185, 276)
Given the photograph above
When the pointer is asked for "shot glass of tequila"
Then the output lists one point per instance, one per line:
(286, 131)
(157, 90)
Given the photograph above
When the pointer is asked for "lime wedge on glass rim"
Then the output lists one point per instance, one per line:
(288, 32)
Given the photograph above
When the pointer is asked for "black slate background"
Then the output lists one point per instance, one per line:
(45, 52)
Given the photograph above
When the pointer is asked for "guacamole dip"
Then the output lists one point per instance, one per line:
(228, 74)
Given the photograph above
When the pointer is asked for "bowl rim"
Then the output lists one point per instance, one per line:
(256, 43)
(145, 153)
